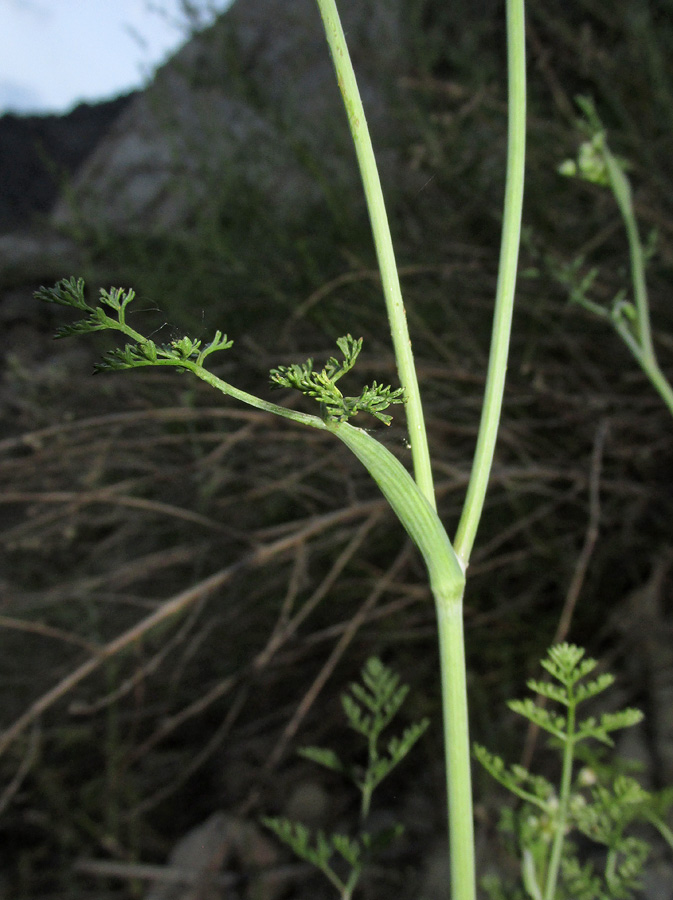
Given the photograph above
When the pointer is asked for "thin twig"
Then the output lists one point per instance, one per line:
(27, 761)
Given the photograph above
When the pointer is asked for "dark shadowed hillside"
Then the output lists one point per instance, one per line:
(38, 152)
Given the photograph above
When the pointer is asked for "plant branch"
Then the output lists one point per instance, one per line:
(504, 302)
(384, 247)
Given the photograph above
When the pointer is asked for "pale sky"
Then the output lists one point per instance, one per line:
(56, 53)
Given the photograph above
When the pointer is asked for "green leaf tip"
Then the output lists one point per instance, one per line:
(67, 292)
(321, 386)
(147, 353)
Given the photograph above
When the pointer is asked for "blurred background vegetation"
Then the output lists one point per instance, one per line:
(285, 570)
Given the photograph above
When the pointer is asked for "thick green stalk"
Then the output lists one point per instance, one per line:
(504, 303)
(449, 604)
(447, 582)
(384, 246)
(445, 568)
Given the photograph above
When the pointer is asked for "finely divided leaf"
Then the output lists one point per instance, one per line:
(323, 757)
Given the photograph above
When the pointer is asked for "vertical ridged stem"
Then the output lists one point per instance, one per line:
(456, 744)
(384, 246)
(504, 301)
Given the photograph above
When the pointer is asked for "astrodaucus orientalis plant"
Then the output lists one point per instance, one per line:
(592, 802)
(370, 707)
(411, 498)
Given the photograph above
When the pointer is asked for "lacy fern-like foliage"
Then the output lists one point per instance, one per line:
(188, 353)
(143, 351)
(592, 802)
(321, 386)
(369, 708)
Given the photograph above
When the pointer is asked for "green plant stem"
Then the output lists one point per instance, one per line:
(368, 786)
(622, 193)
(244, 396)
(647, 362)
(611, 867)
(447, 582)
(449, 604)
(641, 345)
(504, 303)
(661, 383)
(384, 247)
(564, 800)
(447, 579)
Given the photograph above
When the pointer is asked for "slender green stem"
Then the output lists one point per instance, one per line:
(384, 246)
(622, 193)
(244, 396)
(449, 605)
(564, 800)
(649, 365)
(350, 885)
(368, 786)
(504, 303)
(661, 383)
(640, 344)
(638, 337)
(446, 570)
(611, 867)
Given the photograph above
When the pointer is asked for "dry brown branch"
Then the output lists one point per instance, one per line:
(170, 608)
(130, 871)
(196, 708)
(349, 631)
(374, 275)
(36, 439)
(590, 537)
(79, 499)
(141, 672)
(524, 522)
(280, 635)
(47, 631)
(165, 611)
